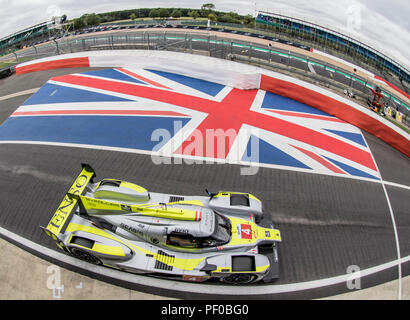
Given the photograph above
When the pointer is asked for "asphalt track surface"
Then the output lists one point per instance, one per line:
(328, 223)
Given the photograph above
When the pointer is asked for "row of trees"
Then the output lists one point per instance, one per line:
(207, 11)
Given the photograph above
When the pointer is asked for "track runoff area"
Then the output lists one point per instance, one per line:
(339, 195)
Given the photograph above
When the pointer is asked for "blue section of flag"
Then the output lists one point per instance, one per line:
(351, 170)
(207, 87)
(269, 154)
(113, 74)
(274, 101)
(355, 137)
(51, 93)
(113, 131)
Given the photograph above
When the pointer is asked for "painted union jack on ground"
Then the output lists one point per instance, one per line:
(161, 113)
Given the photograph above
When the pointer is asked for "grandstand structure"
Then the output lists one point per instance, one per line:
(19, 37)
(26, 36)
(335, 40)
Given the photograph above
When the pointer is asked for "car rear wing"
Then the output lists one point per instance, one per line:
(65, 208)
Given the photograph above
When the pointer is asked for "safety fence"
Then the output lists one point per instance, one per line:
(204, 43)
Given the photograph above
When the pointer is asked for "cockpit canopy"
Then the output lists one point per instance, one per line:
(220, 236)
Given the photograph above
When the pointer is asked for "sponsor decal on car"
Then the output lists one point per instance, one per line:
(244, 231)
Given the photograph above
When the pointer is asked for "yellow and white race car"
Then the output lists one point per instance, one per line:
(194, 238)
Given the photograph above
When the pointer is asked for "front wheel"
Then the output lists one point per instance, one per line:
(238, 278)
(85, 256)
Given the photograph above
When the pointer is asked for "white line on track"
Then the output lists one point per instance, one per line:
(399, 294)
(396, 236)
(17, 94)
(198, 287)
(203, 159)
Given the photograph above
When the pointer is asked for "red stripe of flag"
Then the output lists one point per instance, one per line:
(137, 76)
(321, 160)
(341, 111)
(305, 115)
(108, 112)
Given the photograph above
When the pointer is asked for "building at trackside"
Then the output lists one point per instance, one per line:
(334, 40)
(18, 37)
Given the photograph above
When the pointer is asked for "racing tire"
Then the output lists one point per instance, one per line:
(62, 246)
(238, 278)
(85, 256)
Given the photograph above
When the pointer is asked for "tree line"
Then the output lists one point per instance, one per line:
(207, 11)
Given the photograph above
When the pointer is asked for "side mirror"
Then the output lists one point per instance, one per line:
(210, 193)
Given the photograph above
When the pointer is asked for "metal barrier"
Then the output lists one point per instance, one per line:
(215, 46)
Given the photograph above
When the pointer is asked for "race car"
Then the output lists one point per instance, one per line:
(121, 225)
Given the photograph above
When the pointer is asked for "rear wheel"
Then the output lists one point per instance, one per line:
(239, 278)
(85, 256)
